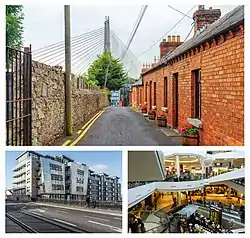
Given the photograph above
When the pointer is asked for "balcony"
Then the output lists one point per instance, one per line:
(19, 179)
(20, 166)
(20, 186)
(19, 173)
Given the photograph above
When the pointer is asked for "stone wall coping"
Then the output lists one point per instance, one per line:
(195, 122)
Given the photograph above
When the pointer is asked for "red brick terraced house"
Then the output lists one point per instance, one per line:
(201, 81)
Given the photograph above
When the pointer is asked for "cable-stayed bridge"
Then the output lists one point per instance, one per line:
(85, 49)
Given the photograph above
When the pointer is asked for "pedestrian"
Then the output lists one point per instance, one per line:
(135, 224)
(87, 201)
(242, 215)
(162, 194)
(95, 204)
(155, 205)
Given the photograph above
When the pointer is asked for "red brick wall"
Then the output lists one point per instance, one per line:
(222, 89)
(137, 96)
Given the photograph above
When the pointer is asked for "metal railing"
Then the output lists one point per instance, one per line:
(82, 203)
(18, 97)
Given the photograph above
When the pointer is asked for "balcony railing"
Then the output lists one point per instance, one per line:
(19, 179)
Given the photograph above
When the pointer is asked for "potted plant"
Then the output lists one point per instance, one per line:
(144, 108)
(161, 120)
(190, 135)
(151, 115)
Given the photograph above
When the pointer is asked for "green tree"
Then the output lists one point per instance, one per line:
(14, 25)
(115, 74)
(87, 80)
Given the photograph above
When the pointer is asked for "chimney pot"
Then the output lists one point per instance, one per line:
(173, 39)
(169, 38)
(163, 40)
(178, 38)
(210, 8)
(204, 17)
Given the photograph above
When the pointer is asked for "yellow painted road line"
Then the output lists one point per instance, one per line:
(85, 131)
(89, 121)
(66, 142)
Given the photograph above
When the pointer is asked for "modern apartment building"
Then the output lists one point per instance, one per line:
(104, 188)
(59, 177)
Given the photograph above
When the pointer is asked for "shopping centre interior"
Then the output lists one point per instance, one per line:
(202, 192)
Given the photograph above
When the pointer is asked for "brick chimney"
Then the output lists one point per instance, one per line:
(203, 17)
(167, 46)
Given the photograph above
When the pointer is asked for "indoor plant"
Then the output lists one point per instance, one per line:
(190, 135)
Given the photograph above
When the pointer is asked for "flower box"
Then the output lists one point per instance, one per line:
(161, 121)
(190, 140)
(144, 110)
(190, 135)
(151, 115)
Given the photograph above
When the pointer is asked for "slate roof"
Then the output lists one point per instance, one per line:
(225, 23)
(137, 83)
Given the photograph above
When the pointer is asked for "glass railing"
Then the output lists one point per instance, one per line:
(184, 177)
(234, 210)
(137, 184)
(239, 181)
(213, 174)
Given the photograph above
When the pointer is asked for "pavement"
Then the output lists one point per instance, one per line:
(121, 126)
(86, 221)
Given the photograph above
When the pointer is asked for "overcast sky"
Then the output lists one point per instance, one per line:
(44, 24)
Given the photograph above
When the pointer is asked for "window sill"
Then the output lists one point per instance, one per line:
(195, 122)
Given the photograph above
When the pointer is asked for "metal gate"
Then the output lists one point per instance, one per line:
(18, 97)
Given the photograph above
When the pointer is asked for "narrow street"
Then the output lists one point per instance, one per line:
(121, 126)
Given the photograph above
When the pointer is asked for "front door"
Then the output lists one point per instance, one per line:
(175, 101)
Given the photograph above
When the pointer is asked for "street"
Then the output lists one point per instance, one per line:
(123, 126)
(31, 217)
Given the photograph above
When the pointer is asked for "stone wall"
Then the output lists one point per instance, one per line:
(48, 103)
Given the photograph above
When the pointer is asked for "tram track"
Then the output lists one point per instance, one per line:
(33, 223)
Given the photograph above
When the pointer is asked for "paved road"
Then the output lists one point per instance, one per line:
(86, 221)
(123, 126)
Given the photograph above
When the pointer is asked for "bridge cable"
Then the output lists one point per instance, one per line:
(62, 42)
(144, 8)
(165, 33)
(82, 42)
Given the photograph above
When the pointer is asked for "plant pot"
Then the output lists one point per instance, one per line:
(161, 122)
(151, 116)
(191, 140)
(143, 110)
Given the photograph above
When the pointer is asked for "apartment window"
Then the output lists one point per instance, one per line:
(57, 187)
(79, 189)
(80, 172)
(196, 81)
(55, 167)
(79, 180)
(56, 177)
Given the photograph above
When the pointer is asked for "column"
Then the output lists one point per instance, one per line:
(179, 198)
(202, 167)
(203, 190)
(229, 193)
(177, 165)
